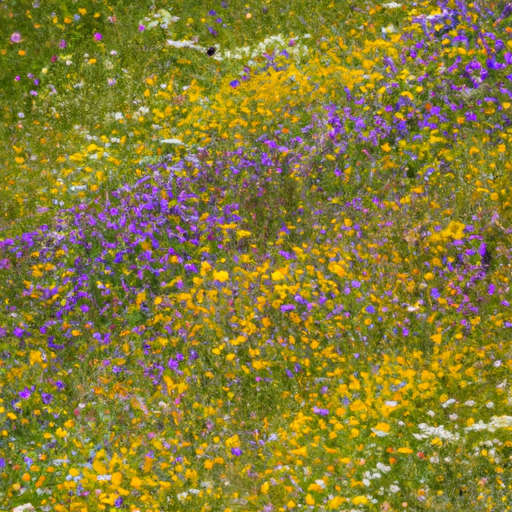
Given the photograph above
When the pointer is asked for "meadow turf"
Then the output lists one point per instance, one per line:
(255, 256)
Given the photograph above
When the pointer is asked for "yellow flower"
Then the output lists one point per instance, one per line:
(136, 482)
(221, 276)
(277, 275)
(454, 230)
(300, 451)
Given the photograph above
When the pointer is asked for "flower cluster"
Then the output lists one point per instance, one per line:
(243, 272)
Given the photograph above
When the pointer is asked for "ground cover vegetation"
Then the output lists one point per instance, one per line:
(255, 257)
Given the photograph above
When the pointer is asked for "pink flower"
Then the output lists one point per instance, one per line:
(98, 36)
(15, 37)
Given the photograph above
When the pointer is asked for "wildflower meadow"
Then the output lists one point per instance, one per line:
(255, 257)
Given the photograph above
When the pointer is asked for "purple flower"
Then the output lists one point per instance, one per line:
(234, 83)
(370, 309)
(173, 364)
(18, 332)
(25, 393)
(15, 37)
(236, 451)
(62, 43)
(321, 412)
(491, 289)
(47, 398)
(287, 307)
(506, 12)
(476, 73)
(142, 28)
(118, 502)
(98, 36)
(494, 64)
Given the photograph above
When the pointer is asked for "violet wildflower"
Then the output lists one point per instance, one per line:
(47, 398)
(25, 393)
(476, 73)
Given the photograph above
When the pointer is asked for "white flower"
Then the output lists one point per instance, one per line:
(171, 141)
(366, 482)
(502, 385)
(440, 432)
(184, 44)
(448, 402)
(182, 495)
(383, 467)
(431, 413)
(453, 417)
(320, 483)
(469, 403)
(497, 364)
(392, 5)
(394, 488)
(28, 507)
(489, 405)
(391, 403)
(390, 29)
